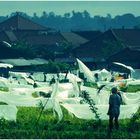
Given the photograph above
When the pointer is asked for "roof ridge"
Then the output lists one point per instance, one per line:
(27, 19)
(116, 37)
(15, 21)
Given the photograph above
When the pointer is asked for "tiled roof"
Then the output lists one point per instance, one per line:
(24, 62)
(127, 37)
(94, 47)
(4, 37)
(74, 38)
(21, 23)
(11, 36)
(43, 39)
(131, 37)
(89, 35)
(127, 55)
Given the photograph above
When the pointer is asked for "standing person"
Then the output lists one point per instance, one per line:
(44, 77)
(114, 109)
(96, 76)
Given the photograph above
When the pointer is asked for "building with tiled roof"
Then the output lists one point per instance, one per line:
(89, 35)
(74, 38)
(20, 29)
(108, 44)
(19, 22)
(127, 56)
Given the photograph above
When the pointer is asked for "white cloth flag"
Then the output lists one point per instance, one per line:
(86, 71)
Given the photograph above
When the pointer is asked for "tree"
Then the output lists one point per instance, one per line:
(86, 14)
(51, 14)
(67, 48)
(24, 49)
(35, 15)
(67, 15)
(44, 15)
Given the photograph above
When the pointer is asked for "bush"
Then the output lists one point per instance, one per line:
(35, 94)
(44, 94)
(89, 84)
(6, 89)
(64, 81)
(133, 88)
(3, 103)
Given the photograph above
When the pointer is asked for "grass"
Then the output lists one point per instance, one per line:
(35, 95)
(131, 88)
(27, 127)
(3, 103)
(6, 89)
(43, 94)
(69, 128)
(89, 84)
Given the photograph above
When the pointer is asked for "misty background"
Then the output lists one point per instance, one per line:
(74, 20)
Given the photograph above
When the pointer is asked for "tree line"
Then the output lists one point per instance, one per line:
(74, 21)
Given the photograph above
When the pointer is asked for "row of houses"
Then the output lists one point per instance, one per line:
(96, 49)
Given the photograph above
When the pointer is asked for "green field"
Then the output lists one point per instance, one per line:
(70, 127)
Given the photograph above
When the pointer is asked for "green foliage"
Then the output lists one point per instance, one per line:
(45, 52)
(69, 128)
(130, 88)
(67, 47)
(81, 75)
(6, 89)
(134, 122)
(91, 103)
(44, 94)
(133, 88)
(64, 81)
(35, 95)
(124, 89)
(54, 67)
(89, 84)
(24, 50)
(3, 103)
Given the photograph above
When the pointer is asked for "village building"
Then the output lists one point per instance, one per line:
(96, 53)
(89, 35)
(21, 29)
(127, 56)
(96, 49)
(24, 65)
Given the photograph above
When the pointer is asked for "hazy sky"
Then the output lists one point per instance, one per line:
(60, 7)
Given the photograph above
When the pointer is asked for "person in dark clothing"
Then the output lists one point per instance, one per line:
(45, 78)
(35, 85)
(52, 81)
(112, 79)
(114, 109)
(96, 76)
